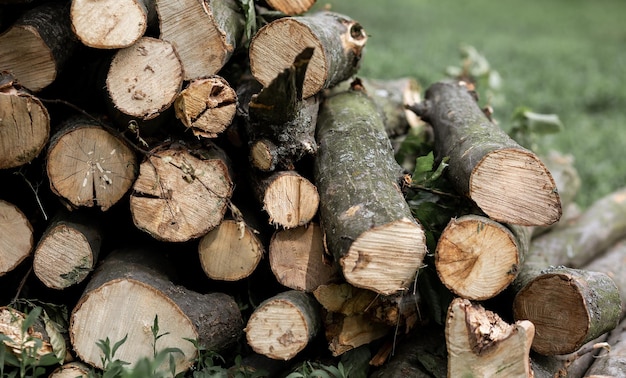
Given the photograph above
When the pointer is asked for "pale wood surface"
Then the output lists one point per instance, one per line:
(16, 237)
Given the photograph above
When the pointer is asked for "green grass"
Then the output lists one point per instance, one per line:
(560, 56)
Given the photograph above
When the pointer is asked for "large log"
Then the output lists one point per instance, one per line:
(16, 237)
(24, 124)
(337, 41)
(182, 191)
(88, 165)
(508, 182)
(123, 299)
(35, 48)
(368, 225)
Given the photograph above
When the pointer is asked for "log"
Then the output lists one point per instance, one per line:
(72, 369)
(611, 363)
(508, 182)
(481, 344)
(345, 333)
(337, 41)
(68, 250)
(12, 326)
(290, 7)
(477, 258)
(207, 106)
(144, 79)
(568, 307)
(16, 237)
(35, 48)
(297, 258)
(24, 124)
(231, 251)
(111, 24)
(123, 299)
(182, 192)
(368, 226)
(283, 325)
(613, 263)
(205, 34)
(88, 166)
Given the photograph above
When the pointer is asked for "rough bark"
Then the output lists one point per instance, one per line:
(124, 297)
(368, 226)
(337, 41)
(283, 325)
(16, 237)
(67, 251)
(207, 106)
(568, 307)
(481, 344)
(611, 363)
(182, 191)
(297, 258)
(144, 79)
(111, 24)
(24, 124)
(290, 7)
(509, 183)
(35, 48)
(87, 165)
(613, 263)
(204, 33)
(476, 258)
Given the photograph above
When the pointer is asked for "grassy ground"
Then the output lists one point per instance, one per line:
(561, 56)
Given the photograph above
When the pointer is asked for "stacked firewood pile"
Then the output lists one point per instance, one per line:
(170, 160)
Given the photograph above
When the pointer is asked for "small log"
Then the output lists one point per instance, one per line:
(123, 299)
(337, 41)
(289, 7)
(207, 106)
(283, 325)
(297, 258)
(144, 79)
(67, 251)
(568, 307)
(73, 369)
(369, 228)
(231, 251)
(508, 182)
(612, 362)
(481, 344)
(16, 237)
(289, 198)
(111, 24)
(24, 124)
(204, 33)
(35, 48)
(182, 192)
(477, 258)
(88, 165)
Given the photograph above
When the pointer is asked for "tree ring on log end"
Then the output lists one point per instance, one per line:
(16, 235)
(291, 200)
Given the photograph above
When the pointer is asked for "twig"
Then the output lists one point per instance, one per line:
(43, 211)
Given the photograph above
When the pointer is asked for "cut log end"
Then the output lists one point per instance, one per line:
(476, 258)
(514, 186)
(397, 247)
(264, 155)
(291, 7)
(290, 200)
(16, 237)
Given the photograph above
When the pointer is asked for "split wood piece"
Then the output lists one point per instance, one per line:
(283, 325)
(67, 251)
(611, 363)
(568, 307)
(508, 182)
(369, 228)
(345, 333)
(290, 7)
(207, 106)
(72, 369)
(481, 344)
(337, 40)
(297, 258)
(290, 199)
(144, 79)
(87, 165)
(613, 263)
(204, 33)
(111, 24)
(11, 326)
(182, 192)
(476, 257)
(125, 296)
(24, 125)
(231, 251)
(280, 123)
(35, 48)
(16, 237)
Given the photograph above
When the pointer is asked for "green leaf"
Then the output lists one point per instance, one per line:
(250, 15)
(30, 320)
(355, 363)
(48, 359)
(117, 345)
(57, 341)
(423, 168)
